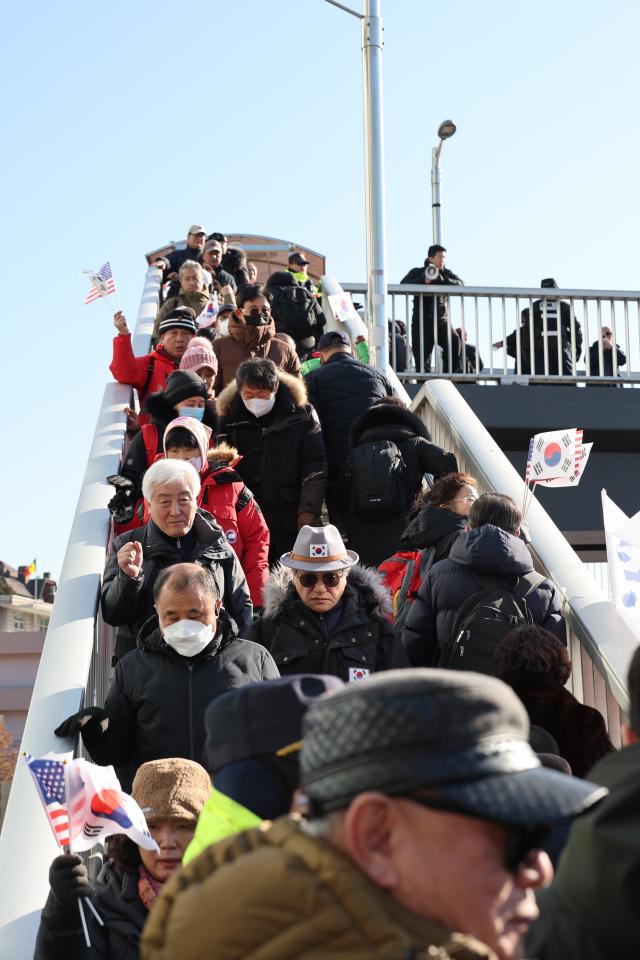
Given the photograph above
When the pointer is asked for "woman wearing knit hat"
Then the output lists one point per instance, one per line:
(171, 794)
(185, 394)
(200, 358)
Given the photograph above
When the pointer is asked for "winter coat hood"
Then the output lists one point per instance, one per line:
(200, 432)
(430, 525)
(282, 278)
(365, 581)
(222, 455)
(382, 415)
(294, 386)
(492, 551)
(249, 336)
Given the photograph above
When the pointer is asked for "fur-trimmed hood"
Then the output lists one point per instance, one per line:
(366, 582)
(223, 454)
(295, 386)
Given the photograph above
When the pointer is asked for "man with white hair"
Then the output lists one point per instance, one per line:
(185, 658)
(178, 532)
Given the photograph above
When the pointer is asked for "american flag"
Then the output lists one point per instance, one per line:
(50, 781)
(102, 283)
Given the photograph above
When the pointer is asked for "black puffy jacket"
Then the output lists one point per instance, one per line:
(433, 527)
(376, 540)
(128, 603)
(490, 552)
(157, 698)
(300, 641)
(116, 899)
(341, 390)
(283, 457)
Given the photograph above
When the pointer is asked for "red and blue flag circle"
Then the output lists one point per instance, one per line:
(108, 804)
(552, 454)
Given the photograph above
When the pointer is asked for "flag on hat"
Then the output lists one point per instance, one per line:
(102, 283)
(553, 455)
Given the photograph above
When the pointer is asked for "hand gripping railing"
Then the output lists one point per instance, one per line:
(601, 643)
(72, 662)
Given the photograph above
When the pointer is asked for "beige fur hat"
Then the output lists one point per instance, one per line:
(171, 789)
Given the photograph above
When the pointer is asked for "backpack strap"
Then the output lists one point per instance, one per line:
(150, 438)
(152, 363)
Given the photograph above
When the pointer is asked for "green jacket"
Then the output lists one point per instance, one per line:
(219, 818)
(592, 909)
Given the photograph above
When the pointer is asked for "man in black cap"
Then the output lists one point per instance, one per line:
(170, 265)
(550, 330)
(149, 373)
(298, 267)
(427, 809)
(341, 389)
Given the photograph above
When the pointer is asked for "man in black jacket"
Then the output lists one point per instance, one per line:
(157, 700)
(490, 548)
(178, 532)
(193, 251)
(434, 271)
(341, 390)
(264, 414)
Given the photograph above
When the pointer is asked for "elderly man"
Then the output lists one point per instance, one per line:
(264, 414)
(156, 703)
(149, 373)
(192, 251)
(427, 808)
(191, 293)
(212, 260)
(177, 532)
(324, 613)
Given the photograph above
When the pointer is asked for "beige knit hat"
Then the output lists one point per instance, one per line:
(172, 789)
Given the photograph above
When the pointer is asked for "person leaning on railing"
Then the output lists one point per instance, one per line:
(434, 271)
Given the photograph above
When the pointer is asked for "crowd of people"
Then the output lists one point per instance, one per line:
(339, 683)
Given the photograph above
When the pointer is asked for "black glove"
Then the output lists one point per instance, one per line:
(257, 613)
(121, 504)
(68, 879)
(71, 726)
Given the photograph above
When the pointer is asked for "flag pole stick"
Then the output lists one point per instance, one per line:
(95, 912)
(84, 924)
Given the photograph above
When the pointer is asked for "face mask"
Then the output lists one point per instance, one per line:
(260, 407)
(257, 319)
(188, 637)
(196, 412)
(197, 463)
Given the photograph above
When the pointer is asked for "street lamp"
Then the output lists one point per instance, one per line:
(374, 176)
(446, 129)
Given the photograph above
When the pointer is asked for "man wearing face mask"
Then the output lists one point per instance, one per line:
(265, 416)
(177, 532)
(157, 700)
(252, 333)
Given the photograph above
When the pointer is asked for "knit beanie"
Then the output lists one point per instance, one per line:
(172, 789)
(199, 354)
(182, 384)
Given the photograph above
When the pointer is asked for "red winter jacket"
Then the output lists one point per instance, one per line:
(147, 374)
(226, 497)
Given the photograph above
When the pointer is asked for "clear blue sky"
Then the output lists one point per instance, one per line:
(125, 123)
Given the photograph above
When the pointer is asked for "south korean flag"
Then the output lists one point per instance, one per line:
(318, 550)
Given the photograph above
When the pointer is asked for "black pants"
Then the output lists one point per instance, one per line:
(451, 357)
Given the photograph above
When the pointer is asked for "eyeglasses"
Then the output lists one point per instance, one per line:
(464, 500)
(309, 580)
(522, 840)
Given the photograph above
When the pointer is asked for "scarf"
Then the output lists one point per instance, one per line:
(148, 888)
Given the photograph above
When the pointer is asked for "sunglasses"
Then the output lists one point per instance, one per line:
(522, 841)
(329, 579)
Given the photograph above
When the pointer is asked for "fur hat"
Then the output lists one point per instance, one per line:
(172, 789)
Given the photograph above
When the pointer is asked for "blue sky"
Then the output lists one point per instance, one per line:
(124, 124)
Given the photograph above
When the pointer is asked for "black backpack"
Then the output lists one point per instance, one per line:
(293, 310)
(378, 487)
(485, 618)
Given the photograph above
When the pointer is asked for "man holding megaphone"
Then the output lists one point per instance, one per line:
(434, 271)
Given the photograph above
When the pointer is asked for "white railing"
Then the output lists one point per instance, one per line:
(74, 669)
(488, 315)
(601, 643)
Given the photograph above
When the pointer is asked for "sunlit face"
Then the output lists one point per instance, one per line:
(189, 402)
(451, 869)
(439, 259)
(257, 305)
(213, 255)
(182, 453)
(173, 837)
(190, 281)
(254, 393)
(195, 241)
(174, 605)
(252, 270)
(463, 501)
(173, 508)
(320, 597)
(176, 341)
(206, 374)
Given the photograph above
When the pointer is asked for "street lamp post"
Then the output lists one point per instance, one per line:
(374, 176)
(446, 129)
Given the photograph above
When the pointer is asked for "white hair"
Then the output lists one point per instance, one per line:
(164, 473)
(192, 265)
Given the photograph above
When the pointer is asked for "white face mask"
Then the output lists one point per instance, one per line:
(197, 463)
(259, 408)
(188, 637)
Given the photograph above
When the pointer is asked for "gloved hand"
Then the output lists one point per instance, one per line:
(68, 878)
(309, 518)
(257, 613)
(121, 504)
(71, 726)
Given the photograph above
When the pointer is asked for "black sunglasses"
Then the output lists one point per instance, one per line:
(522, 841)
(329, 579)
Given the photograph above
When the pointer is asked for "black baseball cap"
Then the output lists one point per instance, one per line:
(549, 282)
(333, 339)
(298, 258)
(461, 735)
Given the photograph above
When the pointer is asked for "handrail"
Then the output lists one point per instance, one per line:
(593, 620)
(524, 293)
(26, 842)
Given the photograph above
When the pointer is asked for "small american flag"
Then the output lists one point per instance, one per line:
(50, 781)
(102, 283)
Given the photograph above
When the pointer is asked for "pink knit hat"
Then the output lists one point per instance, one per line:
(199, 354)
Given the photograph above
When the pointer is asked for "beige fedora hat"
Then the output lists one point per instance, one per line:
(319, 549)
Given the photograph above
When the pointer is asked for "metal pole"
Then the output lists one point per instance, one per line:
(436, 208)
(374, 182)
